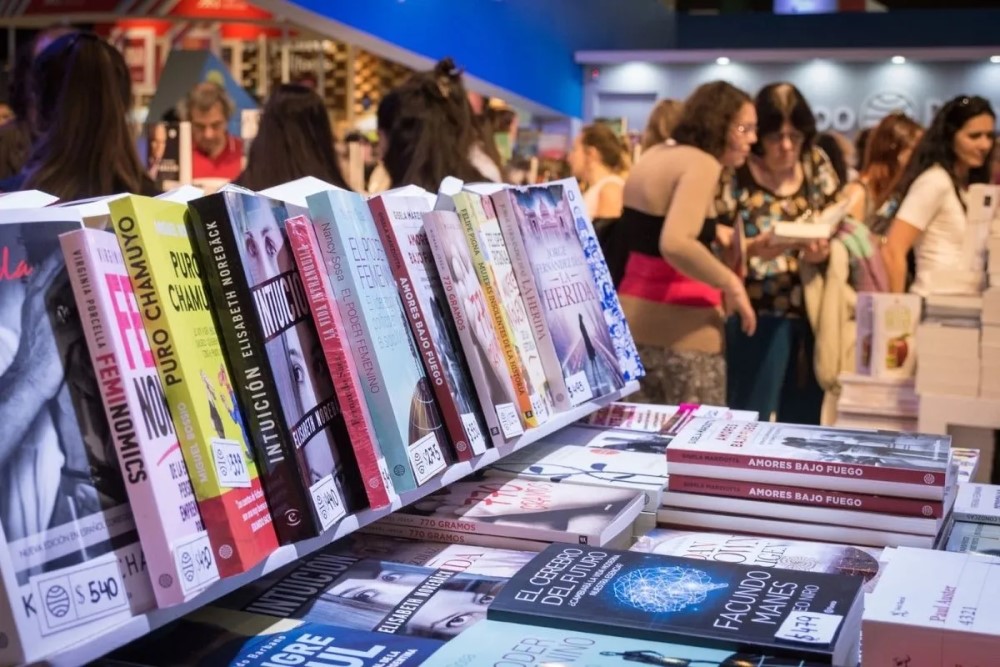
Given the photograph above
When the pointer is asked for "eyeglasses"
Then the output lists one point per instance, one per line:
(795, 137)
(746, 129)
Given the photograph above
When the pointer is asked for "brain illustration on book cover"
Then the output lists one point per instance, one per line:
(566, 287)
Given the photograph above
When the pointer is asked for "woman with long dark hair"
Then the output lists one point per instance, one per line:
(294, 140)
(82, 93)
(954, 153)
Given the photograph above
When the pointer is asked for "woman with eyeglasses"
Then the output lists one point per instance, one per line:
(954, 153)
(786, 178)
(673, 289)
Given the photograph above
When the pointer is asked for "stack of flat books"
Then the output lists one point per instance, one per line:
(874, 402)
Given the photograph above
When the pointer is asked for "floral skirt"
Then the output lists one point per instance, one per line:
(674, 377)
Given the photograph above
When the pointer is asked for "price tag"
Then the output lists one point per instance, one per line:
(579, 388)
(477, 443)
(510, 420)
(809, 627)
(195, 562)
(230, 465)
(426, 458)
(80, 594)
(539, 407)
(328, 501)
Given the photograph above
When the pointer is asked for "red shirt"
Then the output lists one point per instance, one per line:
(228, 164)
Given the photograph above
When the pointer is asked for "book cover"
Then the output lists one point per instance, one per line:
(614, 317)
(168, 153)
(492, 266)
(567, 292)
(449, 536)
(527, 509)
(811, 497)
(887, 340)
(714, 604)
(616, 439)
(983, 538)
(333, 337)
(909, 465)
(369, 594)
(978, 503)
(71, 564)
(763, 551)
(217, 637)
(509, 644)
(665, 419)
(401, 227)
(470, 314)
(275, 359)
(159, 489)
(406, 418)
(166, 278)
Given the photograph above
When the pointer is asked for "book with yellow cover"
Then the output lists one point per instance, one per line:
(176, 314)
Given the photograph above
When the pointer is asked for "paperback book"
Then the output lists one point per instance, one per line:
(978, 503)
(908, 465)
(614, 439)
(665, 419)
(159, 489)
(167, 148)
(71, 565)
(529, 510)
(176, 313)
(982, 538)
(370, 594)
(727, 606)
(399, 396)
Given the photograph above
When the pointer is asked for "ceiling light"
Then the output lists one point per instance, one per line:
(722, 60)
(995, 59)
(898, 60)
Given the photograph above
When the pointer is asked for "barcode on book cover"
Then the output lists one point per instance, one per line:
(471, 425)
(80, 594)
(195, 563)
(579, 388)
(426, 458)
(328, 501)
(809, 627)
(510, 421)
(230, 465)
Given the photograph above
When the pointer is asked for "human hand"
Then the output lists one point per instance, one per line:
(816, 252)
(736, 301)
(765, 247)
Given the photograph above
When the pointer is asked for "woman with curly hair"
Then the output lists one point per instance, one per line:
(673, 288)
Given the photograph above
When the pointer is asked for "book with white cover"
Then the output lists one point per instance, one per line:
(26, 199)
(660, 418)
(910, 465)
(950, 618)
(979, 503)
(617, 439)
(983, 538)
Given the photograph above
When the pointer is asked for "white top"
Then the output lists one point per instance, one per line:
(592, 197)
(482, 162)
(943, 264)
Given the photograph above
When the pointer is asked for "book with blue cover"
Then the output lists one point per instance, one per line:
(399, 396)
(713, 604)
(497, 643)
(220, 637)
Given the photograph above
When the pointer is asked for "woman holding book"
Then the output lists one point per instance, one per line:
(953, 154)
(672, 287)
(786, 179)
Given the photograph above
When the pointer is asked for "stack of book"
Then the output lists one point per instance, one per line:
(975, 522)
(948, 339)
(874, 488)
(989, 335)
(880, 403)
(933, 608)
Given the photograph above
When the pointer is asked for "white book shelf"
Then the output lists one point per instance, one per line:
(137, 626)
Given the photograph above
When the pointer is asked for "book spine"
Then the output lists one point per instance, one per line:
(284, 472)
(621, 335)
(480, 381)
(973, 517)
(525, 276)
(362, 345)
(498, 315)
(223, 474)
(793, 495)
(426, 346)
(452, 537)
(156, 479)
(330, 326)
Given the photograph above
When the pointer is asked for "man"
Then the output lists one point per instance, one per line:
(216, 154)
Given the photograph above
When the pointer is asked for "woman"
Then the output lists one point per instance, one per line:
(662, 121)
(786, 178)
(597, 159)
(954, 153)
(887, 152)
(668, 279)
(294, 140)
(82, 94)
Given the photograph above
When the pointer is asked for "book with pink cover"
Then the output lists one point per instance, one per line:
(176, 547)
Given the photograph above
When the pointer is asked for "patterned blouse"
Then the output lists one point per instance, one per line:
(774, 286)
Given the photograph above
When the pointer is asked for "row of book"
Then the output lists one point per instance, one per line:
(222, 374)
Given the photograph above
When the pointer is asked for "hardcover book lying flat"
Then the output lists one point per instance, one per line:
(726, 606)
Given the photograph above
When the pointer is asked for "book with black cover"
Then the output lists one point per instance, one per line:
(732, 606)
